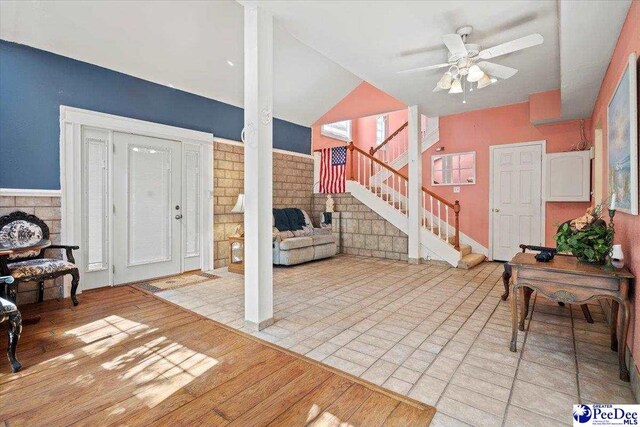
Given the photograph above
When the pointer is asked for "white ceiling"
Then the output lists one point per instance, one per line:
(375, 39)
(588, 36)
(182, 44)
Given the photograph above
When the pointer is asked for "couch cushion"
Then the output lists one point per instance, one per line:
(296, 242)
(321, 239)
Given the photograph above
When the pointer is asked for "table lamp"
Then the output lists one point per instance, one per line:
(239, 208)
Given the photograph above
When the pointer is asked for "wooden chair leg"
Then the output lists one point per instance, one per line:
(75, 280)
(586, 312)
(15, 329)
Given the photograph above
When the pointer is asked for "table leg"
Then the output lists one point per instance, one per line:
(613, 327)
(625, 308)
(514, 318)
(505, 282)
(526, 293)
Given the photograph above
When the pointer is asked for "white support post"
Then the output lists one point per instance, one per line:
(258, 166)
(415, 184)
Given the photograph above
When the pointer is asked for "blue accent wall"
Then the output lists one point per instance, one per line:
(34, 83)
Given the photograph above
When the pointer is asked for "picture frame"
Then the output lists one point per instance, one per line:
(622, 139)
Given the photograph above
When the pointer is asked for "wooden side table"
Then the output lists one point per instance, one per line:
(565, 279)
(235, 262)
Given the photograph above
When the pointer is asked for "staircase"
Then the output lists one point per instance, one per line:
(374, 179)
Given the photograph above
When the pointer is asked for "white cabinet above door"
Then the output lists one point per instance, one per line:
(568, 177)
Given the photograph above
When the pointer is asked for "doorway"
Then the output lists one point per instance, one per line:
(136, 197)
(516, 205)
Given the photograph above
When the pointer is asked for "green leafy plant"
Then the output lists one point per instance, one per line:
(591, 244)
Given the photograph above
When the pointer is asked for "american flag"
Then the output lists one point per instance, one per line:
(333, 162)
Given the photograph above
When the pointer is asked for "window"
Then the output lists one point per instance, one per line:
(382, 128)
(337, 130)
(453, 169)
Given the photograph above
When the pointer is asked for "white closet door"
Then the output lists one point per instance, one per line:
(148, 212)
(191, 215)
(517, 199)
(95, 261)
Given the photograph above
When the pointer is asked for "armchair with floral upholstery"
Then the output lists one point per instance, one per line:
(20, 228)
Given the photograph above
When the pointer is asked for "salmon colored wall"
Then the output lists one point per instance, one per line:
(627, 226)
(367, 128)
(545, 105)
(364, 101)
(477, 131)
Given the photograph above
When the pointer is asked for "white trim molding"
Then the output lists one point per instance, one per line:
(275, 150)
(72, 121)
(543, 202)
(27, 192)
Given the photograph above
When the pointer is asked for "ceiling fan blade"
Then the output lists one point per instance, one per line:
(497, 70)
(512, 46)
(455, 45)
(430, 67)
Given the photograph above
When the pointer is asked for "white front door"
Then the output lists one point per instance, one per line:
(516, 199)
(147, 214)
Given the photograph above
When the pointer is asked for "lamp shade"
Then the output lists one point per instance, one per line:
(239, 207)
(445, 81)
(484, 81)
(475, 74)
(456, 87)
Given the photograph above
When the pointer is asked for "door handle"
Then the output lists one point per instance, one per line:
(179, 216)
(496, 210)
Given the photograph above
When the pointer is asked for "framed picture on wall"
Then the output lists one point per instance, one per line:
(622, 139)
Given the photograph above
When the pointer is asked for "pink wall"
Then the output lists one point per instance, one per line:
(545, 105)
(627, 226)
(477, 131)
(364, 101)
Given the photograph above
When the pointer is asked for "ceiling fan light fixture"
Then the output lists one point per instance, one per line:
(484, 81)
(475, 74)
(445, 81)
(456, 87)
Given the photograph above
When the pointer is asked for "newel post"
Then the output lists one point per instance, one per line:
(456, 210)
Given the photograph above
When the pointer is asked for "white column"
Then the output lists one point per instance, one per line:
(415, 184)
(258, 166)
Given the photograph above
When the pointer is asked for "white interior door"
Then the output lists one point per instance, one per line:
(516, 199)
(147, 207)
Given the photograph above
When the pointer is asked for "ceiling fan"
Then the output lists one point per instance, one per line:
(468, 62)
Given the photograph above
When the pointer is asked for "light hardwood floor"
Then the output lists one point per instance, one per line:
(124, 357)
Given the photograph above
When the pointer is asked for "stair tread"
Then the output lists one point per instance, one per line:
(471, 260)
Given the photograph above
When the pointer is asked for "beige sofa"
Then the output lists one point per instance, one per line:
(308, 244)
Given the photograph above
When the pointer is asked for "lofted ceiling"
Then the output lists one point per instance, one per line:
(588, 36)
(324, 49)
(185, 45)
(376, 39)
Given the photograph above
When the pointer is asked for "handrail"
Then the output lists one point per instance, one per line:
(373, 150)
(440, 199)
(455, 205)
(352, 147)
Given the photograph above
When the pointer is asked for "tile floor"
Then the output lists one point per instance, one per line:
(439, 335)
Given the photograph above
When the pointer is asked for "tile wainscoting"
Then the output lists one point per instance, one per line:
(47, 209)
(292, 187)
(364, 232)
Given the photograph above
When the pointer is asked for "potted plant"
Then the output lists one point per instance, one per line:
(588, 237)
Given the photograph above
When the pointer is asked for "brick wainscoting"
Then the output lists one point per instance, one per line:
(48, 210)
(292, 187)
(364, 232)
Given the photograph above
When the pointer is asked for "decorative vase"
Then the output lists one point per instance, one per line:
(617, 256)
